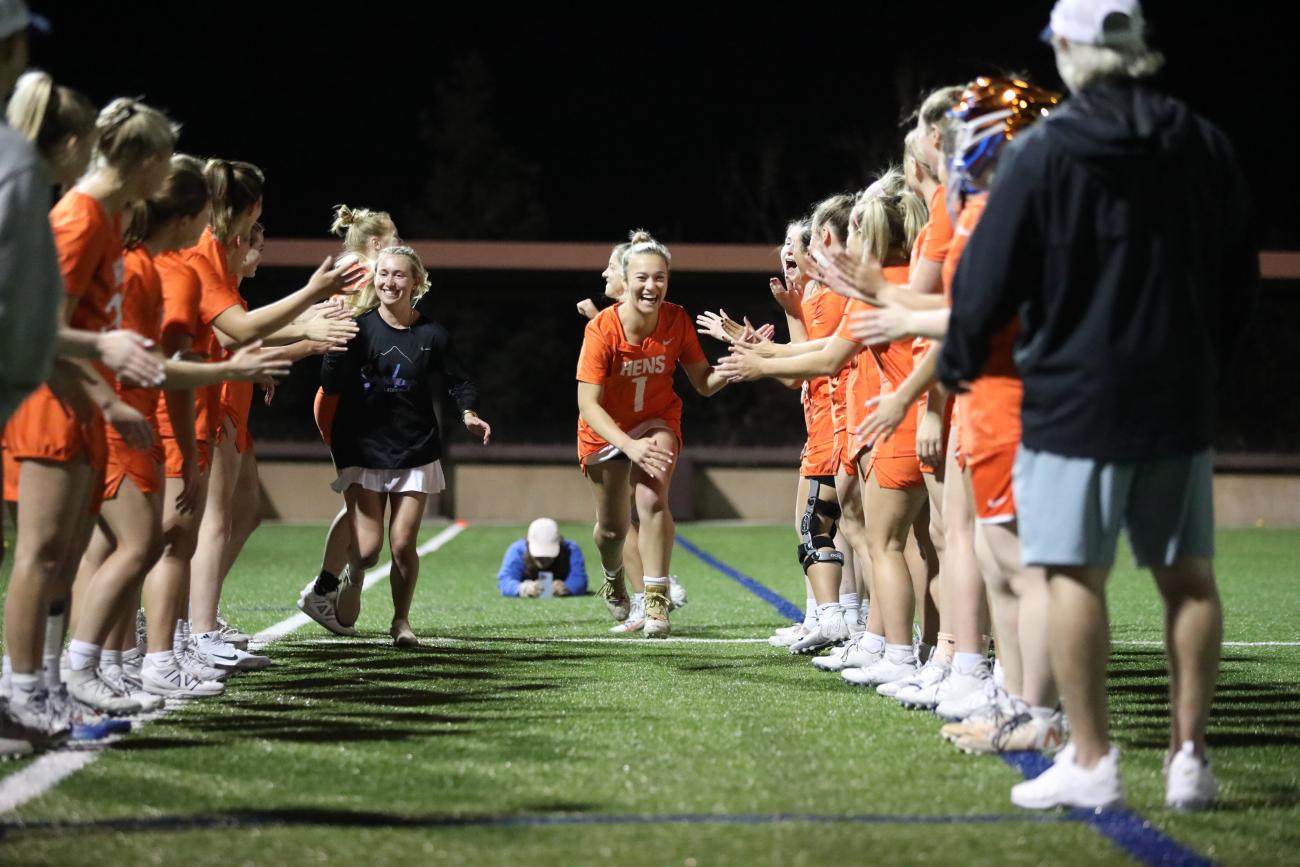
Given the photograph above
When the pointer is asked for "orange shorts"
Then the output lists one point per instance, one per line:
(142, 468)
(990, 481)
(819, 456)
(896, 473)
(44, 429)
(173, 460)
(11, 468)
(323, 410)
(243, 439)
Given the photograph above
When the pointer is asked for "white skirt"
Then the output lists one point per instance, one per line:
(427, 479)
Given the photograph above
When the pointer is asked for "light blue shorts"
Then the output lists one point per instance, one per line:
(1072, 509)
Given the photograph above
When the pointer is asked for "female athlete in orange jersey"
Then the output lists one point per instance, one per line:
(129, 535)
(333, 597)
(629, 424)
(236, 206)
(61, 445)
(884, 216)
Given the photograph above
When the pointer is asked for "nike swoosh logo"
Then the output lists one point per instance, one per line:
(668, 341)
(993, 504)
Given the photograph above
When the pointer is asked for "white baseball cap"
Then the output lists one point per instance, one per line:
(543, 538)
(14, 16)
(1109, 23)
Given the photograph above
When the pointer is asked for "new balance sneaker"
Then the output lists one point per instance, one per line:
(323, 608)
(115, 676)
(635, 619)
(216, 653)
(614, 592)
(347, 602)
(960, 695)
(1189, 781)
(1023, 731)
(922, 690)
(173, 681)
(231, 635)
(192, 664)
(676, 593)
(1065, 784)
(883, 670)
(87, 687)
(830, 630)
(656, 612)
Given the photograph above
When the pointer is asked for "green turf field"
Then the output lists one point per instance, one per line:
(508, 735)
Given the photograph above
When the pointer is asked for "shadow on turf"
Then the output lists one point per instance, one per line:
(1246, 712)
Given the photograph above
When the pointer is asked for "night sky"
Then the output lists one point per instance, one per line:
(701, 126)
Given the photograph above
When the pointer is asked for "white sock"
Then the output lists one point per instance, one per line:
(617, 572)
(161, 659)
(661, 583)
(5, 674)
(111, 657)
(872, 643)
(966, 663)
(23, 687)
(849, 602)
(51, 668)
(898, 652)
(810, 613)
(83, 655)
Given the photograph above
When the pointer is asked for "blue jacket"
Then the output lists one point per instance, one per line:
(513, 570)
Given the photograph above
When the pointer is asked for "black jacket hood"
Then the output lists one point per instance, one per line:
(1111, 121)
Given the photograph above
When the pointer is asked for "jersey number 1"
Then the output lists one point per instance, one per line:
(638, 403)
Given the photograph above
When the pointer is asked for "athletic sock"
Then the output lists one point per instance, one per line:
(5, 674)
(966, 663)
(899, 652)
(810, 613)
(326, 582)
(23, 687)
(83, 655)
(661, 583)
(849, 602)
(946, 647)
(872, 643)
(54, 635)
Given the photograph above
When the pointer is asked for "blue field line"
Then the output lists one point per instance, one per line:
(784, 606)
(1126, 829)
(343, 818)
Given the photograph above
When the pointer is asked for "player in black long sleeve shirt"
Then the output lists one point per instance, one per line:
(386, 441)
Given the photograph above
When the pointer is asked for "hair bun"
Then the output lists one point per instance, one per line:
(640, 236)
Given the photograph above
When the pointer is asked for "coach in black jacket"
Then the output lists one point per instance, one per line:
(1117, 231)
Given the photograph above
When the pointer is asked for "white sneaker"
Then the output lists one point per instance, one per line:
(323, 608)
(212, 650)
(883, 670)
(115, 676)
(830, 629)
(919, 691)
(87, 687)
(1065, 784)
(635, 619)
(1189, 781)
(37, 722)
(195, 667)
(960, 695)
(676, 593)
(231, 635)
(175, 682)
(13, 741)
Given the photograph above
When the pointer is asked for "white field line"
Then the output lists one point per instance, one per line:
(52, 768)
(447, 642)
(1225, 644)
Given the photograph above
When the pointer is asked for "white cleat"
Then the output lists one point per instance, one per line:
(87, 687)
(1065, 784)
(676, 593)
(195, 667)
(174, 681)
(921, 691)
(960, 695)
(213, 651)
(635, 619)
(116, 677)
(1189, 781)
(788, 635)
(830, 630)
(323, 608)
(836, 660)
(883, 670)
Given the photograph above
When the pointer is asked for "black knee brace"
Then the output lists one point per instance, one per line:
(817, 530)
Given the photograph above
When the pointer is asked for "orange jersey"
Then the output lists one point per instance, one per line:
(220, 293)
(938, 229)
(181, 294)
(970, 215)
(637, 378)
(881, 370)
(142, 312)
(821, 311)
(90, 257)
